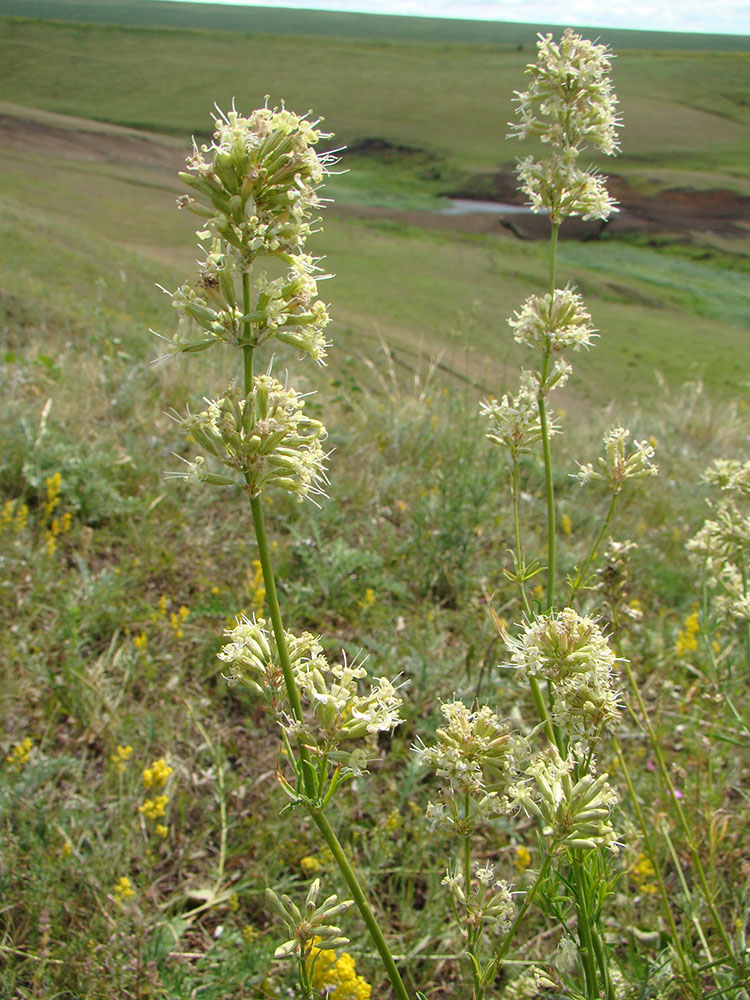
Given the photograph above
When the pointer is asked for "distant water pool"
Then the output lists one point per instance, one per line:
(468, 206)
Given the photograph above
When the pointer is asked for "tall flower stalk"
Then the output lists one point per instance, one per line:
(255, 189)
(565, 658)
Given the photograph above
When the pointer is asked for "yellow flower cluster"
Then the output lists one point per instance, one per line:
(53, 484)
(154, 808)
(368, 600)
(156, 775)
(522, 859)
(19, 755)
(336, 978)
(177, 619)
(12, 516)
(123, 889)
(120, 756)
(687, 638)
(641, 873)
(57, 525)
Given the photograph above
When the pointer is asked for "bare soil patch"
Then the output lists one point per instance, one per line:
(678, 211)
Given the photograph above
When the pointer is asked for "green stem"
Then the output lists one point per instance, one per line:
(550, 492)
(747, 624)
(360, 899)
(541, 707)
(583, 924)
(553, 255)
(471, 939)
(316, 813)
(583, 570)
(247, 349)
(551, 540)
(516, 489)
(269, 583)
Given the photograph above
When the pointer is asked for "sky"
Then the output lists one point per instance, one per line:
(721, 16)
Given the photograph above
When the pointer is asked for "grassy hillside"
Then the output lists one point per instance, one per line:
(383, 27)
(686, 114)
(117, 585)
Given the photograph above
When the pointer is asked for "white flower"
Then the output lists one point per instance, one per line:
(573, 654)
(266, 438)
(475, 751)
(256, 184)
(618, 464)
(559, 187)
(570, 102)
(573, 814)
(553, 322)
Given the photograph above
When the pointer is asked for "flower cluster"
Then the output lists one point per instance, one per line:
(488, 902)
(561, 189)
(266, 438)
(731, 476)
(569, 105)
(572, 653)
(20, 753)
(155, 807)
(618, 464)
(515, 419)
(285, 307)
(256, 184)
(553, 322)
(336, 977)
(309, 927)
(123, 889)
(572, 813)
(342, 711)
(722, 545)
(476, 752)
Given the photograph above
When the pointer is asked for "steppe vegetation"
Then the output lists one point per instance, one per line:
(139, 795)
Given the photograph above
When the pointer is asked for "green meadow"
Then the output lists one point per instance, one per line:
(116, 585)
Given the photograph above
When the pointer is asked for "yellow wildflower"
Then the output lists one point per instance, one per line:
(175, 625)
(156, 775)
(66, 850)
(687, 641)
(141, 641)
(256, 586)
(123, 889)
(522, 859)
(120, 756)
(161, 608)
(161, 830)
(310, 864)
(22, 517)
(250, 933)
(393, 822)
(154, 808)
(50, 543)
(368, 600)
(6, 516)
(19, 755)
(53, 484)
(566, 524)
(337, 977)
